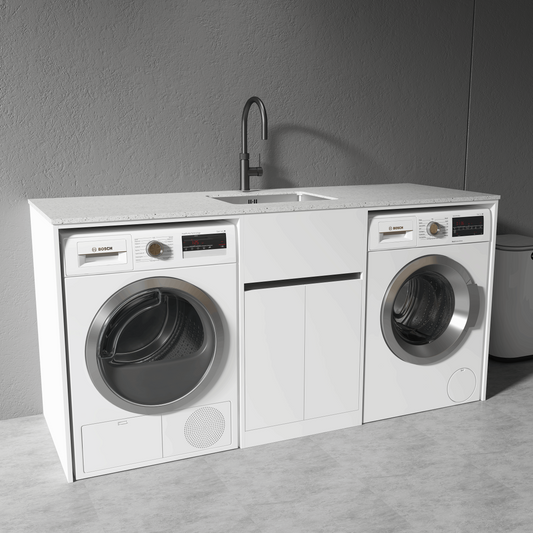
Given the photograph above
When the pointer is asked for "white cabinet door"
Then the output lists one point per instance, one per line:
(332, 348)
(274, 356)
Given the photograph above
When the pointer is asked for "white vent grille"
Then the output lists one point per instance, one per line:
(204, 427)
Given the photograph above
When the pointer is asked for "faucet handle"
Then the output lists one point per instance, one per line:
(256, 171)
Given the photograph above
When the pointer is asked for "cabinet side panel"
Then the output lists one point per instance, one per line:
(490, 288)
(332, 348)
(50, 324)
(274, 356)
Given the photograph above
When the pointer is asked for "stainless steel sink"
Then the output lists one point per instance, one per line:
(272, 198)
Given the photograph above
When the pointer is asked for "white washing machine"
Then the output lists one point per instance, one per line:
(428, 274)
(151, 315)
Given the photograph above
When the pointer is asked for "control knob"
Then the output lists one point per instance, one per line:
(434, 229)
(154, 249)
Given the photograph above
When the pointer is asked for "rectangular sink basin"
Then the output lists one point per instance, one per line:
(253, 199)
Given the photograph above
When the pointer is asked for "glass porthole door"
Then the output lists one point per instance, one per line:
(428, 308)
(153, 343)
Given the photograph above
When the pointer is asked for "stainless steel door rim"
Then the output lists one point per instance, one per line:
(463, 315)
(167, 381)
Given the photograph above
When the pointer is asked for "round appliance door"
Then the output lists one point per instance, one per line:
(428, 308)
(153, 343)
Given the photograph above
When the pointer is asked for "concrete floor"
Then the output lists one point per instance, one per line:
(467, 468)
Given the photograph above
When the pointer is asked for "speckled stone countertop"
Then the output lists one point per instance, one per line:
(148, 207)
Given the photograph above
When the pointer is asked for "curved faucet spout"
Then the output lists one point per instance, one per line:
(244, 121)
(246, 170)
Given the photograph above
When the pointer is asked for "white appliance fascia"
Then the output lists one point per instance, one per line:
(427, 286)
(137, 300)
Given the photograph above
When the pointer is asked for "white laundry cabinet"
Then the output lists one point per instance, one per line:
(302, 322)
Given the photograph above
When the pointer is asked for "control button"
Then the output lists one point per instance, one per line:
(154, 249)
(433, 229)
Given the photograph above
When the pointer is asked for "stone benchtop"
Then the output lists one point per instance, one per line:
(150, 207)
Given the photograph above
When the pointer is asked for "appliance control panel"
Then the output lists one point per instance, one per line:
(148, 247)
(433, 227)
(468, 226)
(419, 227)
(204, 241)
(157, 247)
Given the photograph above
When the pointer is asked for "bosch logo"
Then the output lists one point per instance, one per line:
(105, 248)
(94, 248)
(392, 228)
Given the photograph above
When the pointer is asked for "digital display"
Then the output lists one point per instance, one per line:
(209, 241)
(466, 226)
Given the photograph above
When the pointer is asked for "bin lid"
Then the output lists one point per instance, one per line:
(514, 243)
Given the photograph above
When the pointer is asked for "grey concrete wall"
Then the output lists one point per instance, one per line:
(500, 148)
(129, 96)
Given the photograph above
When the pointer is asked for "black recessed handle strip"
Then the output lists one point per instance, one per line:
(300, 281)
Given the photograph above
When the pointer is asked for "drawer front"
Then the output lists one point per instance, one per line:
(122, 442)
(279, 246)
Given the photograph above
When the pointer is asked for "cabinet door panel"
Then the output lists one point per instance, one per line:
(274, 360)
(332, 348)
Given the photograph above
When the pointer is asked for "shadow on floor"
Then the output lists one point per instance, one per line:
(507, 375)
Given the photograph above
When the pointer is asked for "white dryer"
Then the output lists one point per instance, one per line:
(428, 274)
(151, 314)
